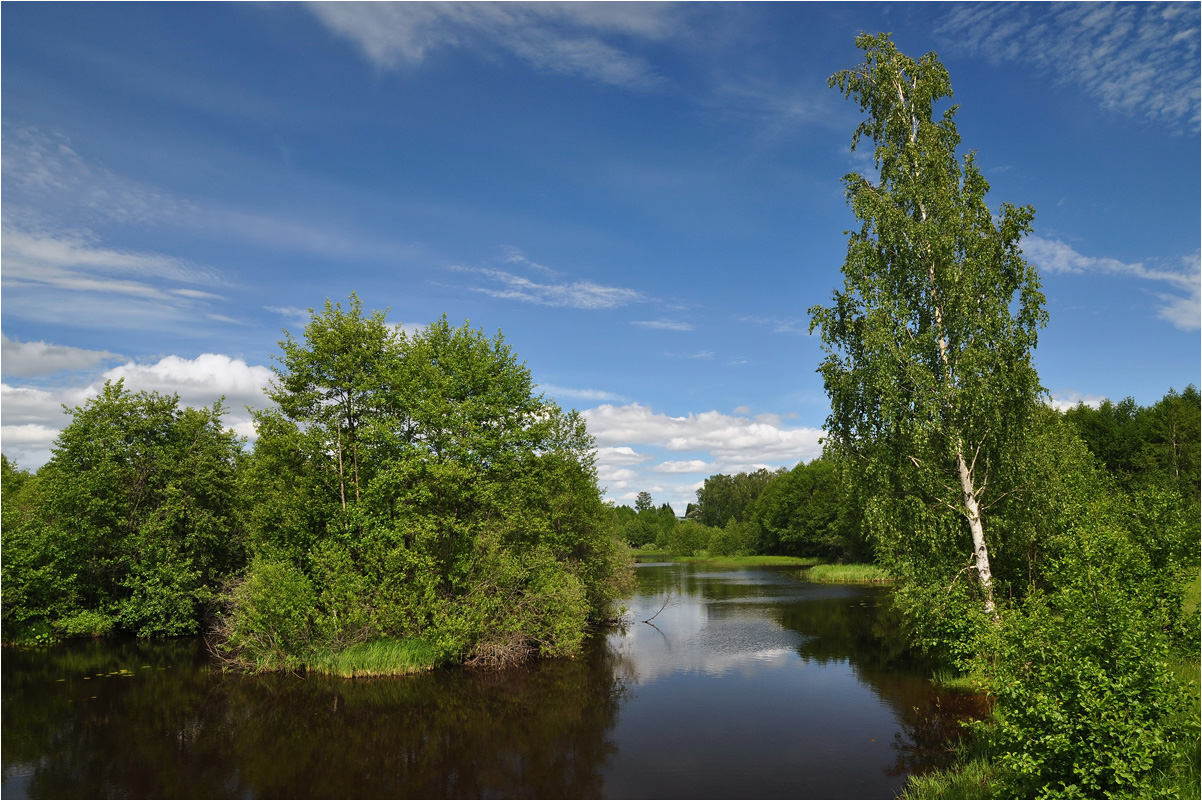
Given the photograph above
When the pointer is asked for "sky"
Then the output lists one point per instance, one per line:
(645, 199)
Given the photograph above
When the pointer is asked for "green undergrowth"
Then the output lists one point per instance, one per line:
(847, 574)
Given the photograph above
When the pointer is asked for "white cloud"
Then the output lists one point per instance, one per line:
(26, 359)
(556, 391)
(620, 455)
(664, 325)
(726, 438)
(687, 466)
(574, 294)
(1064, 402)
(1182, 311)
(634, 443)
(565, 38)
(1140, 59)
(199, 381)
(32, 417)
(62, 277)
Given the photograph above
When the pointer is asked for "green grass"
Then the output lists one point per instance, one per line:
(749, 561)
(848, 574)
(971, 779)
(384, 657)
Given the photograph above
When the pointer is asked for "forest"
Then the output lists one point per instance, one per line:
(410, 500)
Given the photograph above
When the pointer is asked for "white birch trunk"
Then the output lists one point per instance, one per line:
(972, 512)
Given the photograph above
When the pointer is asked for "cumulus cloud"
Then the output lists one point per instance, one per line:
(727, 438)
(32, 417)
(1140, 59)
(577, 39)
(25, 359)
(1182, 309)
(1062, 402)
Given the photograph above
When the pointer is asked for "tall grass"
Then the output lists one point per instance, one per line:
(383, 657)
(848, 574)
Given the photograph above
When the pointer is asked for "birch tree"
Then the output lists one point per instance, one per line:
(929, 343)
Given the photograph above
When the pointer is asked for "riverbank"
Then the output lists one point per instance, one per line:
(977, 775)
(820, 571)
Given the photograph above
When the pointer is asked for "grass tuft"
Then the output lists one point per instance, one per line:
(848, 574)
(383, 657)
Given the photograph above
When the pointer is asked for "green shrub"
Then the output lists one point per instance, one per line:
(271, 619)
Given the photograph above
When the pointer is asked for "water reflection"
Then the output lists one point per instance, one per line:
(747, 683)
(74, 725)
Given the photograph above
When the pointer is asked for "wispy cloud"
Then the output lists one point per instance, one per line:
(1140, 59)
(589, 40)
(565, 294)
(556, 391)
(781, 325)
(1182, 309)
(59, 275)
(664, 325)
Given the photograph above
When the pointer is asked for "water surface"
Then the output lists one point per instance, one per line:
(746, 683)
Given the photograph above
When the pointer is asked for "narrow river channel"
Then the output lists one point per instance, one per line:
(746, 683)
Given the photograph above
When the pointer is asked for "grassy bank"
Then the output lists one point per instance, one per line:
(749, 561)
(384, 657)
(847, 574)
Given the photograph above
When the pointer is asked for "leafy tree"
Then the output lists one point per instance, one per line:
(643, 502)
(723, 497)
(798, 512)
(135, 523)
(332, 381)
(417, 487)
(929, 342)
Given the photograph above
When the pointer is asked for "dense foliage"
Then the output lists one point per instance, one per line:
(131, 526)
(407, 489)
(414, 486)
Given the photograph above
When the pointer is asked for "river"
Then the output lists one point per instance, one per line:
(745, 683)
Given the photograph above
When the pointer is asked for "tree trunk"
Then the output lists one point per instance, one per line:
(972, 512)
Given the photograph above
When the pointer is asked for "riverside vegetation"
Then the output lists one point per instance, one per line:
(410, 501)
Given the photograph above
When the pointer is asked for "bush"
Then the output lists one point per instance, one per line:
(1087, 704)
(271, 616)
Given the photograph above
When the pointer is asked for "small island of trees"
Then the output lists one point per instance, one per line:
(410, 501)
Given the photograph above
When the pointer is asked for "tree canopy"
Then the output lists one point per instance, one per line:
(929, 344)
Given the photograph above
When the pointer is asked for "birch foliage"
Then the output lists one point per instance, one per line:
(929, 343)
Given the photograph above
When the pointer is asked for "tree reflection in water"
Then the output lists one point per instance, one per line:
(171, 728)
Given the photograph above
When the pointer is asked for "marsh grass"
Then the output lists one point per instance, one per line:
(848, 574)
(383, 657)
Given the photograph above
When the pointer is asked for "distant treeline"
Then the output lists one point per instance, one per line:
(810, 510)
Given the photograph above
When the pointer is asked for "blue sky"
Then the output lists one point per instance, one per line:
(645, 199)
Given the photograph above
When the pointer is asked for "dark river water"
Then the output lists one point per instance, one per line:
(748, 683)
